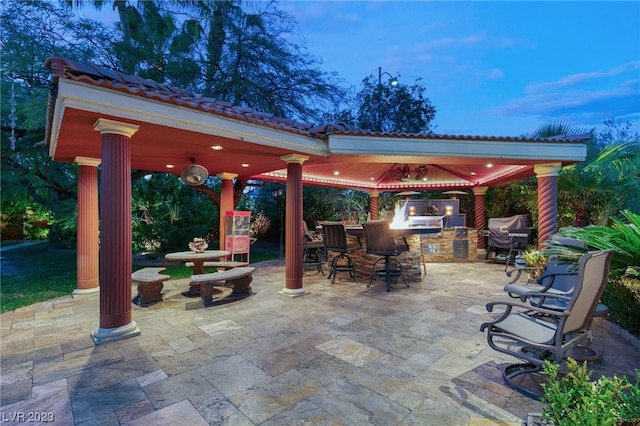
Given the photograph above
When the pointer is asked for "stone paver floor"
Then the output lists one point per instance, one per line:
(343, 354)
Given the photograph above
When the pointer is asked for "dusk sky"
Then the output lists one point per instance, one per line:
(490, 68)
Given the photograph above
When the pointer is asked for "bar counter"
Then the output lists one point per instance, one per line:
(425, 245)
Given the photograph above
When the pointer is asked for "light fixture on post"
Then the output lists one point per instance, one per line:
(393, 81)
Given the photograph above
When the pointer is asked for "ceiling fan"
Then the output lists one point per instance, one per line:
(405, 174)
(194, 174)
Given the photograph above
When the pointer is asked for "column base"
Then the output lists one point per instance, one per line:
(85, 291)
(105, 335)
(293, 292)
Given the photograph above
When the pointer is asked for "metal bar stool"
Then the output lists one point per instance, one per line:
(380, 242)
(335, 240)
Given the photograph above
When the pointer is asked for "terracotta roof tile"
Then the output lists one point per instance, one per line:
(112, 79)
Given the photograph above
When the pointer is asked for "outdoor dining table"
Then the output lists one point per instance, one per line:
(198, 259)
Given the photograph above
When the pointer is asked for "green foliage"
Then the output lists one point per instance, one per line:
(623, 236)
(572, 399)
(167, 214)
(622, 294)
(622, 297)
(629, 407)
(516, 198)
(385, 108)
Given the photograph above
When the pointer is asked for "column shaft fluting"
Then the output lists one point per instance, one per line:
(293, 227)
(87, 254)
(226, 204)
(115, 232)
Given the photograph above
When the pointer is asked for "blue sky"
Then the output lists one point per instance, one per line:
(489, 68)
(498, 68)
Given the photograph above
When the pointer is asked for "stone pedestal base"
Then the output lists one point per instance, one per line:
(105, 335)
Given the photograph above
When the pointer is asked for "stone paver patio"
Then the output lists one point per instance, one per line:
(343, 354)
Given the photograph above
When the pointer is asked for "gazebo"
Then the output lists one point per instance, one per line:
(99, 117)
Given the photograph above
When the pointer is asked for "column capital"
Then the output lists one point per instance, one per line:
(87, 161)
(480, 190)
(104, 125)
(547, 170)
(374, 193)
(226, 175)
(294, 158)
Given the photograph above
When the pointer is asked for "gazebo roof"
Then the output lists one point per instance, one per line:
(177, 128)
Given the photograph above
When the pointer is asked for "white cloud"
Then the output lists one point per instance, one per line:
(583, 98)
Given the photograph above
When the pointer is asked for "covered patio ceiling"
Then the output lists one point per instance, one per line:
(177, 129)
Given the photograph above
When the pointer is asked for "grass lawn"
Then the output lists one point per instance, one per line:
(36, 273)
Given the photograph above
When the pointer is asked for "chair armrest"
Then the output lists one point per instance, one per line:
(509, 306)
(545, 298)
(547, 280)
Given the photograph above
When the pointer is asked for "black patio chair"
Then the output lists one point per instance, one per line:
(380, 242)
(535, 334)
(336, 240)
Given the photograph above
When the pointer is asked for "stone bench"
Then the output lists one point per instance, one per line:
(239, 277)
(222, 264)
(149, 284)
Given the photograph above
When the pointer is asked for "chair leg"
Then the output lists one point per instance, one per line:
(388, 272)
(511, 374)
(349, 267)
(312, 256)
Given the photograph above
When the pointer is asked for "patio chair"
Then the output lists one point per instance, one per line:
(380, 242)
(312, 249)
(558, 279)
(535, 334)
(519, 240)
(336, 240)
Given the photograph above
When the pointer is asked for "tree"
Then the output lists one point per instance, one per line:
(399, 108)
(223, 52)
(30, 32)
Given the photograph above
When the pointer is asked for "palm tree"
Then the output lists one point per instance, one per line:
(601, 185)
(623, 236)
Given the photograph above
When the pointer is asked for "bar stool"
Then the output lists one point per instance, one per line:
(312, 251)
(335, 240)
(380, 242)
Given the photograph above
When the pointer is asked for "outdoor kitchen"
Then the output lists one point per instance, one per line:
(435, 231)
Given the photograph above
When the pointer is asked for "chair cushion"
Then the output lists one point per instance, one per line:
(531, 328)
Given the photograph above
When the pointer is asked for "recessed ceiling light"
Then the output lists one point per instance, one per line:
(372, 178)
(336, 173)
(216, 147)
(489, 165)
(170, 166)
(245, 165)
(472, 173)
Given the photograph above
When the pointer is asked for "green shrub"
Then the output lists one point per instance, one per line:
(622, 297)
(572, 399)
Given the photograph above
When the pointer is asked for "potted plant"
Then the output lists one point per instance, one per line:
(572, 399)
(535, 260)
